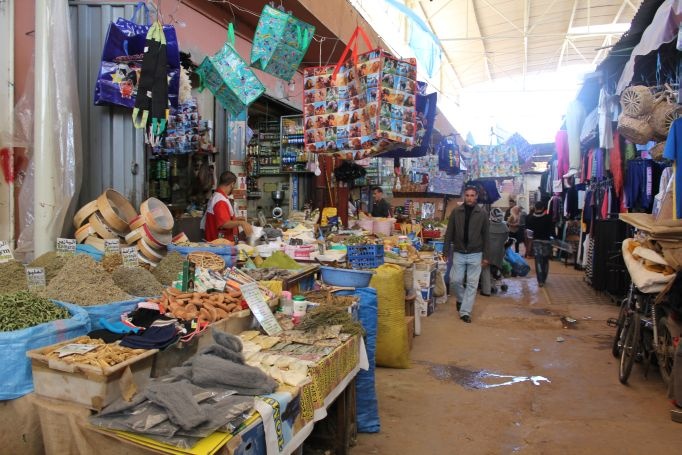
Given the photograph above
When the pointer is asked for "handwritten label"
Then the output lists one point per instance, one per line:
(70, 349)
(66, 247)
(35, 276)
(112, 246)
(5, 252)
(129, 256)
(260, 309)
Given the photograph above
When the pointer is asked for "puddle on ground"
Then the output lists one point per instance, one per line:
(477, 379)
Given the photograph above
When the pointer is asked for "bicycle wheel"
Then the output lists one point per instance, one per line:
(630, 346)
(618, 337)
(665, 352)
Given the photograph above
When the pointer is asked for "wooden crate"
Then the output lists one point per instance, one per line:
(85, 384)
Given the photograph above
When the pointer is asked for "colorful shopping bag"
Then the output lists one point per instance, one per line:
(280, 42)
(362, 106)
(121, 63)
(229, 78)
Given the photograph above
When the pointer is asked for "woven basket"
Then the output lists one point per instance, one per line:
(635, 130)
(663, 115)
(656, 151)
(637, 101)
(207, 260)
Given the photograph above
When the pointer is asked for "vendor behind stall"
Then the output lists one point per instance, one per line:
(219, 220)
(381, 207)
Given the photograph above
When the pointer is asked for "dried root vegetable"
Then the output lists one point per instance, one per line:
(103, 356)
(205, 307)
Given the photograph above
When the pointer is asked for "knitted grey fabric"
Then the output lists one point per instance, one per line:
(223, 353)
(178, 400)
(212, 371)
(232, 342)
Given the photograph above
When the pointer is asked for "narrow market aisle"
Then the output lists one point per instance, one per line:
(551, 396)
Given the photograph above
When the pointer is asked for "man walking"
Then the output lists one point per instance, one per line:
(467, 238)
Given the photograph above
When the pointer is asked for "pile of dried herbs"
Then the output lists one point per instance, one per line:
(137, 281)
(51, 262)
(326, 315)
(84, 282)
(169, 267)
(111, 261)
(280, 260)
(20, 310)
(12, 277)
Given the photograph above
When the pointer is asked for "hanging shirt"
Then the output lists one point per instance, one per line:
(605, 127)
(449, 156)
(218, 212)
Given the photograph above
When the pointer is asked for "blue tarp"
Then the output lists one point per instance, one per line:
(16, 378)
(365, 391)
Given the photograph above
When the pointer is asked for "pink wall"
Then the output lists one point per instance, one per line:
(201, 36)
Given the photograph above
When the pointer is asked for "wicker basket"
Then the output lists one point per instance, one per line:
(663, 115)
(207, 260)
(656, 151)
(635, 130)
(637, 101)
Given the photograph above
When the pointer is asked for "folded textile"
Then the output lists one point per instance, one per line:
(177, 398)
(212, 371)
(223, 353)
(154, 337)
(227, 340)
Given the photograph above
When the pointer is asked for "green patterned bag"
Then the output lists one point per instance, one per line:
(229, 78)
(280, 43)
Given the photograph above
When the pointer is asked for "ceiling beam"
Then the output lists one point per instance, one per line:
(486, 56)
(442, 49)
(564, 46)
(526, 24)
(541, 19)
(607, 38)
(503, 16)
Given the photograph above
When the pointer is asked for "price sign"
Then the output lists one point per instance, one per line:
(5, 252)
(259, 307)
(129, 256)
(112, 246)
(66, 247)
(35, 276)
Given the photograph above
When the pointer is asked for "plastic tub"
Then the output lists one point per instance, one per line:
(346, 277)
(438, 245)
(384, 227)
(367, 224)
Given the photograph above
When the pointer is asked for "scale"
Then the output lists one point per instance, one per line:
(277, 197)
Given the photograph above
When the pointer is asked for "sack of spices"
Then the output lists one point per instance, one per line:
(229, 78)
(121, 63)
(363, 105)
(280, 42)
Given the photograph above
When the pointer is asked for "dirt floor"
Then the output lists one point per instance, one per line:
(520, 380)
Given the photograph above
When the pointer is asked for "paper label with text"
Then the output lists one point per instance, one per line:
(129, 255)
(259, 307)
(112, 246)
(35, 276)
(5, 252)
(66, 247)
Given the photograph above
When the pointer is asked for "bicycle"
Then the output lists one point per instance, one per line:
(642, 334)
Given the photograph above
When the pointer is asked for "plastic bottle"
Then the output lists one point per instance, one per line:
(286, 303)
(300, 306)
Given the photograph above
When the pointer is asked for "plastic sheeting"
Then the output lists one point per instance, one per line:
(16, 378)
(109, 311)
(365, 392)
(65, 130)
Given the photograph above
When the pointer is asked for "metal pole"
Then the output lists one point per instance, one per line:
(7, 121)
(44, 208)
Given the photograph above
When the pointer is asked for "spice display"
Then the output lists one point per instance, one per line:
(51, 262)
(262, 274)
(167, 270)
(205, 307)
(137, 281)
(23, 309)
(112, 261)
(102, 356)
(280, 260)
(207, 260)
(84, 282)
(12, 277)
(325, 296)
(327, 315)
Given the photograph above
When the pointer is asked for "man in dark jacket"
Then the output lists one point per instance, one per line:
(467, 239)
(543, 229)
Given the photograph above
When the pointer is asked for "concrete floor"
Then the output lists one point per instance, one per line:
(451, 402)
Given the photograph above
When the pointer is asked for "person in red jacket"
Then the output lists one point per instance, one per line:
(220, 220)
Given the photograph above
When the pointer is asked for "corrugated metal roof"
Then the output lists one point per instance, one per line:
(491, 39)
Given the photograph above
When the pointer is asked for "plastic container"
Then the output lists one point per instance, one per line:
(367, 224)
(286, 303)
(346, 277)
(228, 253)
(365, 256)
(438, 245)
(300, 307)
(384, 227)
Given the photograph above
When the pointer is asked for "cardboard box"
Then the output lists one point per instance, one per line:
(85, 384)
(409, 322)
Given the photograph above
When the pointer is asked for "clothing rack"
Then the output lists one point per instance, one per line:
(601, 183)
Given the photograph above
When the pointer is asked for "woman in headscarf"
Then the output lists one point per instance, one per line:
(516, 230)
(497, 236)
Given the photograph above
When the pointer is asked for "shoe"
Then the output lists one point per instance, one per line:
(466, 318)
(676, 415)
(485, 295)
(541, 284)
(459, 306)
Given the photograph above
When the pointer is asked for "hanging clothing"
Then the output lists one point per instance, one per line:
(561, 144)
(673, 151)
(605, 126)
(615, 157)
(575, 116)
(638, 184)
(448, 155)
